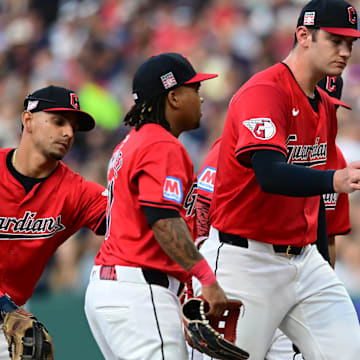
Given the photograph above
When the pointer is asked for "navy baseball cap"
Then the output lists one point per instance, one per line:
(55, 98)
(333, 85)
(162, 73)
(334, 16)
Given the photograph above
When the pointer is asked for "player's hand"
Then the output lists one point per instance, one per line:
(347, 180)
(215, 297)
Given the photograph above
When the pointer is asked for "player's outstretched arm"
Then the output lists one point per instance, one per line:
(175, 239)
(347, 180)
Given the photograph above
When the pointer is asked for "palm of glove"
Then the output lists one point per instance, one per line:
(28, 338)
(202, 332)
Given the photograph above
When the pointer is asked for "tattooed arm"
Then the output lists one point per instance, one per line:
(175, 239)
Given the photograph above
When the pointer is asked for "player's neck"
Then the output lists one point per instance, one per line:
(32, 164)
(303, 74)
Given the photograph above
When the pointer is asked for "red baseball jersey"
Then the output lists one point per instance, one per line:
(207, 173)
(271, 112)
(336, 205)
(150, 167)
(34, 225)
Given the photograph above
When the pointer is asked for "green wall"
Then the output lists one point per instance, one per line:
(64, 317)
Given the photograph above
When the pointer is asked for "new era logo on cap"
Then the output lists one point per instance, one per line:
(168, 80)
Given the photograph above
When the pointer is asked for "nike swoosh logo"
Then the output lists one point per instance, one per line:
(295, 112)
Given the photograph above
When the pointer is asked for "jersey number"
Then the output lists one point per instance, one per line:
(110, 202)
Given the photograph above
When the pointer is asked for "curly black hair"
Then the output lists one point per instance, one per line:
(148, 111)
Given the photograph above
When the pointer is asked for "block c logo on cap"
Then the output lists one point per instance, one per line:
(74, 101)
(352, 15)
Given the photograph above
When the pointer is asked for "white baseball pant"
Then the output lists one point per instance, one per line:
(300, 294)
(281, 348)
(4, 346)
(133, 320)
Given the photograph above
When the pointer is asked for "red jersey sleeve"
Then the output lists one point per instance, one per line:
(207, 174)
(338, 220)
(262, 125)
(164, 174)
(90, 209)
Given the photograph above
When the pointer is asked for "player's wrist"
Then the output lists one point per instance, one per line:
(6, 305)
(202, 271)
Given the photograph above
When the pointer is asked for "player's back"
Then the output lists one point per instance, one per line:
(138, 176)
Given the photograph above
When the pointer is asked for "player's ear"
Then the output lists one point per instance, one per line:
(303, 36)
(173, 98)
(26, 119)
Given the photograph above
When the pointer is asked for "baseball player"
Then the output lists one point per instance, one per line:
(336, 206)
(131, 301)
(265, 210)
(43, 202)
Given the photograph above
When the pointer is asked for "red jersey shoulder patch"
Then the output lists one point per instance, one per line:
(173, 189)
(261, 128)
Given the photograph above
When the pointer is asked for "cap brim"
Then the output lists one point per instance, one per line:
(85, 120)
(342, 31)
(201, 77)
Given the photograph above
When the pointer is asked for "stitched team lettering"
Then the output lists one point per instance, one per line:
(330, 201)
(190, 200)
(108, 272)
(116, 160)
(308, 155)
(42, 227)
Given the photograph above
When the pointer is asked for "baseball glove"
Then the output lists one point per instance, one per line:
(28, 338)
(204, 335)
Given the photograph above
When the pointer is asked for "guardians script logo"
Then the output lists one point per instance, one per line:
(29, 227)
(307, 155)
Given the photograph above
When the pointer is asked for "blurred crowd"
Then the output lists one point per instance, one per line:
(94, 47)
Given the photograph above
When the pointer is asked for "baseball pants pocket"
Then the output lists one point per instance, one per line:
(137, 321)
(323, 323)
